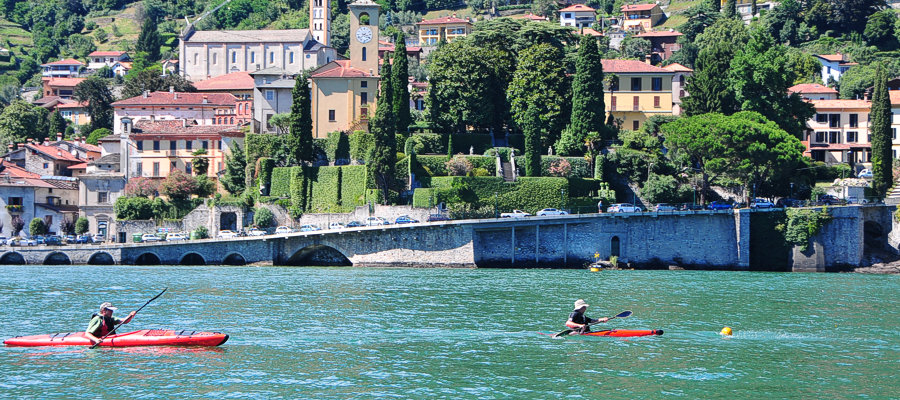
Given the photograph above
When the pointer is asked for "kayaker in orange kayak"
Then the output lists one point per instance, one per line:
(578, 321)
(103, 322)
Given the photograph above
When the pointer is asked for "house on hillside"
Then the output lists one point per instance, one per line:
(385, 47)
(833, 66)
(814, 91)
(662, 43)
(68, 68)
(839, 132)
(431, 31)
(27, 196)
(637, 18)
(100, 59)
(745, 7)
(241, 85)
(271, 95)
(577, 16)
(638, 91)
(63, 88)
(679, 81)
(101, 184)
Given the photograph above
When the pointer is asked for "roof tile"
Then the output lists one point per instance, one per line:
(183, 98)
(631, 66)
(234, 81)
(339, 69)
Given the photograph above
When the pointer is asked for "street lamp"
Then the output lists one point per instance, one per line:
(792, 190)
(496, 194)
(562, 198)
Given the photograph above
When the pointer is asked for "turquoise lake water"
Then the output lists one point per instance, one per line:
(344, 333)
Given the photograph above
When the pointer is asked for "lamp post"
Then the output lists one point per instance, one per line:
(792, 190)
(496, 195)
(562, 198)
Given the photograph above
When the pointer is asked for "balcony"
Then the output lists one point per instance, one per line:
(15, 208)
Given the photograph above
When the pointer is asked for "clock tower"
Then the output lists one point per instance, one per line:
(364, 35)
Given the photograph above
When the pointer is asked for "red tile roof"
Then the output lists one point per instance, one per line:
(811, 88)
(78, 166)
(676, 67)
(86, 146)
(631, 66)
(53, 152)
(72, 104)
(62, 82)
(13, 170)
(895, 96)
(578, 7)
(831, 57)
(68, 61)
(234, 81)
(178, 127)
(590, 31)
(387, 46)
(443, 20)
(106, 54)
(182, 99)
(26, 182)
(840, 103)
(659, 34)
(638, 7)
(339, 69)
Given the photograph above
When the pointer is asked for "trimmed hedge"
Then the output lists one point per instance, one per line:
(298, 188)
(362, 146)
(263, 145)
(266, 165)
(326, 189)
(529, 194)
(281, 182)
(373, 196)
(463, 142)
(353, 185)
(423, 198)
(580, 167)
(433, 143)
(337, 148)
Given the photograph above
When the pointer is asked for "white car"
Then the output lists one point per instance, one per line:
(256, 232)
(336, 225)
(761, 203)
(150, 237)
(515, 214)
(623, 208)
(865, 174)
(226, 234)
(551, 211)
(376, 221)
(176, 236)
(283, 229)
(309, 228)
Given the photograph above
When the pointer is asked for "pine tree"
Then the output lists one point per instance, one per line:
(753, 8)
(709, 89)
(235, 169)
(301, 139)
(57, 124)
(730, 9)
(384, 159)
(400, 77)
(881, 134)
(588, 108)
(149, 40)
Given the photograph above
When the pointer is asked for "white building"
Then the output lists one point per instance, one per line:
(100, 59)
(814, 91)
(833, 66)
(679, 81)
(68, 68)
(578, 16)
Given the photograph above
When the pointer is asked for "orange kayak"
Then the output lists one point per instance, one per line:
(145, 337)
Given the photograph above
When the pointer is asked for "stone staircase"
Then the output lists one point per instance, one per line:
(893, 198)
(507, 168)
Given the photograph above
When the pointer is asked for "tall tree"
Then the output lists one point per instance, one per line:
(730, 10)
(400, 83)
(881, 135)
(57, 124)
(588, 108)
(149, 40)
(235, 168)
(153, 79)
(200, 163)
(21, 120)
(300, 140)
(99, 99)
(540, 83)
(384, 160)
(708, 90)
(463, 87)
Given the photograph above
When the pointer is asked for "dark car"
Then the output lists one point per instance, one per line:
(787, 202)
(354, 224)
(84, 239)
(53, 240)
(829, 200)
(719, 205)
(405, 219)
(437, 217)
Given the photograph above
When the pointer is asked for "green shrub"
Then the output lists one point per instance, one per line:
(133, 208)
(373, 196)
(266, 145)
(362, 146)
(326, 189)
(427, 143)
(802, 224)
(600, 167)
(201, 232)
(529, 194)
(466, 142)
(37, 227)
(353, 185)
(298, 188)
(266, 165)
(503, 151)
(249, 179)
(423, 198)
(337, 147)
(263, 217)
(82, 225)
(281, 182)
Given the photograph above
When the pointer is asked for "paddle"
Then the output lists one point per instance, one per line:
(135, 313)
(623, 314)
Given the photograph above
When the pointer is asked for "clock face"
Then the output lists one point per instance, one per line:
(364, 34)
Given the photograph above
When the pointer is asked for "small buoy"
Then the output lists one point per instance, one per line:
(726, 331)
(595, 269)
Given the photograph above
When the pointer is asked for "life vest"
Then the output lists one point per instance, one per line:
(106, 325)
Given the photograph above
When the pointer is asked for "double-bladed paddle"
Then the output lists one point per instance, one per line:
(135, 313)
(623, 314)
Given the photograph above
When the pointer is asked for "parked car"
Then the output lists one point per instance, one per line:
(335, 225)
(761, 203)
(437, 217)
(39, 239)
(376, 221)
(227, 234)
(87, 239)
(829, 200)
(551, 211)
(310, 228)
(623, 208)
(53, 240)
(788, 202)
(99, 238)
(354, 224)
(664, 207)
(865, 174)
(256, 232)
(150, 237)
(405, 219)
(70, 239)
(172, 237)
(3, 240)
(284, 229)
(515, 214)
(719, 205)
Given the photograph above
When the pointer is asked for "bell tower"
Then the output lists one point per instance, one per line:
(320, 21)
(364, 35)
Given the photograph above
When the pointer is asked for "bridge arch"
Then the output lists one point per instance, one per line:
(101, 258)
(318, 255)
(148, 258)
(57, 258)
(234, 259)
(12, 258)
(192, 259)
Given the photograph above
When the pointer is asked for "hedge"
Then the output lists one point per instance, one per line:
(464, 142)
(423, 198)
(373, 196)
(337, 148)
(266, 165)
(281, 182)
(529, 194)
(436, 164)
(503, 151)
(580, 167)
(517, 142)
(298, 188)
(433, 143)
(262, 145)
(353, 185)
(326, 189)
(362, 145)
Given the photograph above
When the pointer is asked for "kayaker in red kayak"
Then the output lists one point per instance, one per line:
(578, 321)
(103, 322)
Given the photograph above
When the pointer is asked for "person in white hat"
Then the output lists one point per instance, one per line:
(578, 321)
(103, 322)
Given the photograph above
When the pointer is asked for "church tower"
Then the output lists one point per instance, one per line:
(364, 35)
(320, 21)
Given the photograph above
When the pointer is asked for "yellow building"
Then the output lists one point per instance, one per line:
(637, 92)
(839, 132)
(344, 91)
(432, 30)
(639, 18)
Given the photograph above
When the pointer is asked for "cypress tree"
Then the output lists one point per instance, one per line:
(730, 9)
(531, 124)
(709, 89)
(881, 134)
(57, 124)
(753, 8)
(149, 40)
(384, 158)
(588, 108)
(235, 169)
(301, 137)
(400, 78)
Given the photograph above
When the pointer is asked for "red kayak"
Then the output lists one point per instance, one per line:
(145, 337)
(625, 332)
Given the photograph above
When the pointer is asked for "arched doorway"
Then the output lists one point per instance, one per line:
(12, 258)
(318, 255)
(228, 221)
(57, 258)
(147, 259)
(234, 259)
(614, 247)
(192, 259)
(101, 258)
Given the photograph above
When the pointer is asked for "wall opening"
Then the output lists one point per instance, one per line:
(12, 258)
(228, 221)
(101, 258)
(234, 259)
(147, 259)
(318, 255)
(874, 239)
(192, 259)
(614, 247)
(57, 258)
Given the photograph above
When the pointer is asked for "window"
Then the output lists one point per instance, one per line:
(14, 201)
(102, 197)
(364, 84)
(156, 145)
(635, 84)
(156, 169)
(567, 15)
(613, 104)
(364, 98)
(655, 101)
(851, 137)
(635, 125)
(196, 58)
(188, 169)
(656, 84)
(270, 95)
(291, 57)
(172, 145)
(637, 103)
(854, 120)
(188, 144)
(364, 54)
(252, 57)
(46, 165)
(331, 115)
(834, 120)
(140, 169)
(205, 144)
(233, 56)
(271, 57)
(822, 118)
(681, 80)
(215, 58)
(140, 145)
(681, 93)
(820, 137)
(834, 137)
(894, 133)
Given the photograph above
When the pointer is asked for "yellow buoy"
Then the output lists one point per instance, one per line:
(595, 269)
(726, 331)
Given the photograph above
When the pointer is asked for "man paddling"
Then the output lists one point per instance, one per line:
(578, 321)
(101, 324)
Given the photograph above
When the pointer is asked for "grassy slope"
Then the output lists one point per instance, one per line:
(17, 37)
(125, 22)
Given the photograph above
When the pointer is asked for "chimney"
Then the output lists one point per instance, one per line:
(171, 89)
(20, 145)
(184, 123)
(649, 59)
(46, 141)
(176, 96)
(9, 147)
(82, 140)
(29, 140)
(205, 100)
(146, 93)
(59, 136)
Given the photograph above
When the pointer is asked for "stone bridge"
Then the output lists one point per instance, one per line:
(709, 239)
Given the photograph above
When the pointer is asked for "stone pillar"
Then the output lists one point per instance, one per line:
(742, 238)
